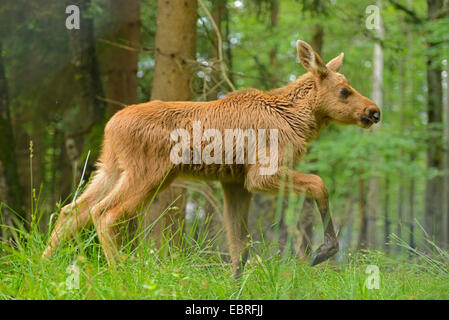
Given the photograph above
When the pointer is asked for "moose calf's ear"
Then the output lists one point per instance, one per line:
(310, 60)
(335, 63)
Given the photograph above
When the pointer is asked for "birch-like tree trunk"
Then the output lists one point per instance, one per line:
(373, 196)
(446, 157)
(446, 162)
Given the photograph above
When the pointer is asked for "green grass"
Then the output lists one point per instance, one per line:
(191, 273)
(78, 270)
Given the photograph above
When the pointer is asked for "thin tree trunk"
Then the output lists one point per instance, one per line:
(317, 38)
(121, 62)
(363, 235)
(387, 214)
(348, 227)
(401, 189)
(275, 7)
(446, 180)
(412, 207)
(446, 157)
(228, 49)
(175, 51)
(435, 154)
(373, 199)
(87, 79)
(10, 191)
(124, 29)
(218, 14)
(411, 199)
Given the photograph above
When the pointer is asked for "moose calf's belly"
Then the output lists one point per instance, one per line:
(223, 172)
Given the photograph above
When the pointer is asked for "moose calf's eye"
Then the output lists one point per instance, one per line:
(344, 92)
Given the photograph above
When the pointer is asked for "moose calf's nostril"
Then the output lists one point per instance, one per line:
(373, 114)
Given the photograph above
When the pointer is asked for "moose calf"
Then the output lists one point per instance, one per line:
(138, 149)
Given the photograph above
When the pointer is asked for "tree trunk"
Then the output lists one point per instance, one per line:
(387, 215)
(121, 62)
(87, 79)
(228, 48)
(446, 160)
(317, 38)
(411, 84)
(121, 68)
(175, 52)
(446, 180)
(10, 191)
(411, 201)
(363, 234)
(401, 189)
(218, 14)
(433, 219)
(373, 198)
(275, 7)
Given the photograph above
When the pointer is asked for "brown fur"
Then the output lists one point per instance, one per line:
(135, 156)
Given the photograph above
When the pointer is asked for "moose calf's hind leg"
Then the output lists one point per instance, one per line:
(70, 221)
(73, 218)
(122, 201)
(236, 208)
(108, 233)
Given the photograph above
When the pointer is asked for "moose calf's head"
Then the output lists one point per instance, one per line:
(336, 100)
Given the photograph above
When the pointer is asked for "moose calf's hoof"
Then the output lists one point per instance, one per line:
(325, 251)
(237, 272)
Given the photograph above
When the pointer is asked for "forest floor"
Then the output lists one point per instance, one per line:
(78, 270)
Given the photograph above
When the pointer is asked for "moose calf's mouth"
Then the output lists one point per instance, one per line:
(366, 122)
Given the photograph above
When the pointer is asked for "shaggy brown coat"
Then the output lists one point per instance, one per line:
(135, 159)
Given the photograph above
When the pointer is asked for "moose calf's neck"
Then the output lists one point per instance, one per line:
(302, 112)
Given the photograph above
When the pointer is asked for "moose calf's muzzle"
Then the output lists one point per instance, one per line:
(373, 113)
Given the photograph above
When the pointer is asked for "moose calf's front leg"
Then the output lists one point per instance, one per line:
(314, 188)
(236, 208)
(330, 245)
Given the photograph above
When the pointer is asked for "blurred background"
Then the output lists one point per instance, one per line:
(59, 85)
